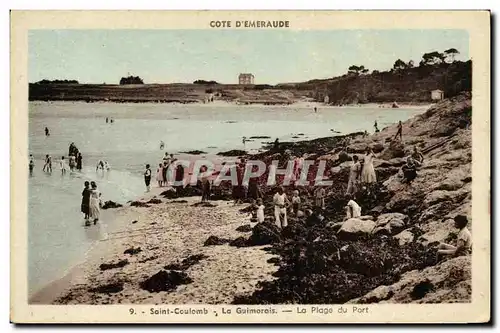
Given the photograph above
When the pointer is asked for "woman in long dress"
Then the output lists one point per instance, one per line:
(355, 170)
(368, 176)
(159, 175)
(94, 209)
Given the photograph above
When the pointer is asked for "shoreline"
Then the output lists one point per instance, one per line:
(221, 103)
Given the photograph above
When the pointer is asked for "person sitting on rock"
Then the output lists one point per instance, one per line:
(417, 155)
(353, 210)
(410, 170)
(464, 240)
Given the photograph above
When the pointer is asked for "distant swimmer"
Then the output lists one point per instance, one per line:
(107, 120)
(106, 166)
(31, 165)
(162, 145)
(244, 141)
(100, 165)
(315, 109)
(48, 164)
(111, 120)
(62, 165)
(375, 125)
(47, 133)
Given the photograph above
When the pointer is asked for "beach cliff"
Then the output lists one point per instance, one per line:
(177, 251)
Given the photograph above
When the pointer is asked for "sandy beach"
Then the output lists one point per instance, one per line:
(167, 233)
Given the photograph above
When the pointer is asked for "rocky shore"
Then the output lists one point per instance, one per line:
(216, 254)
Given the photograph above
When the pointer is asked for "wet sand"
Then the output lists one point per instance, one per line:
(167, 233)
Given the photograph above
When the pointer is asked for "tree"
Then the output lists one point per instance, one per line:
(357, 70)
(399, 65)
(432, 58)
(131, 80)
(451, 53)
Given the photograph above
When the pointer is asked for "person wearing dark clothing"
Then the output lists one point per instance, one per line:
(376, 127)
(410, 170)
(205, 185)
(86, 200)
(179, 177)
(400, 131)
(47, 133)
(79, 161)
(147, 177)
(254, 191)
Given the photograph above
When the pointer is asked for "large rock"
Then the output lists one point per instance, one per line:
(390, 217)
(447, 282)
(354, 228)
(395, 149)
(442, 195)
(404, 237)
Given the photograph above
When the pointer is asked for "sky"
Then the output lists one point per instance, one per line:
(273, 56)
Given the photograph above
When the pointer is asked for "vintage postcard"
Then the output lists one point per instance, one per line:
(250, 166)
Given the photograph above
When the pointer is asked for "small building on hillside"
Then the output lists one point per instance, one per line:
(437, 95)
(246, 78)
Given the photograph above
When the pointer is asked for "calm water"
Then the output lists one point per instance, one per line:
(57, 236)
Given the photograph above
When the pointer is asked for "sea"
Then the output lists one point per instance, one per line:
(57, 236)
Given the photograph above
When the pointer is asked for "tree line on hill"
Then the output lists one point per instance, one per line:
(404, 82)
(45, 81)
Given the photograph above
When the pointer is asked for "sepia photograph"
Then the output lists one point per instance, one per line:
(251, 162)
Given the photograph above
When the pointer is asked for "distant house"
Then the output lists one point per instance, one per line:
(437, 95)
(246, 78)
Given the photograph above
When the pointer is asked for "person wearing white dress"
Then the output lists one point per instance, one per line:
(280, 202)
(353, 210)
(355, 171)
(95, 197)
(368, 175)
(159, 175)
(260, 211)
(62, 165)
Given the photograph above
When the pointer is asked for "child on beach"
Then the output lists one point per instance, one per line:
(295, 203)
(62, 165)
(147, 177)
(159, 175)
(320, 197)
(353, 210)
(260, 211)
(280, 202)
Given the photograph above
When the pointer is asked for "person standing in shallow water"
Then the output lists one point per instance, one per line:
(47, 133)
(159, 175)
(95, 197)
(48, 163)
(62, 164)
(147, 177)
(85, 206)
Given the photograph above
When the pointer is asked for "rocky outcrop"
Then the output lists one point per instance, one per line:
(355, 228)
(447, 282)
